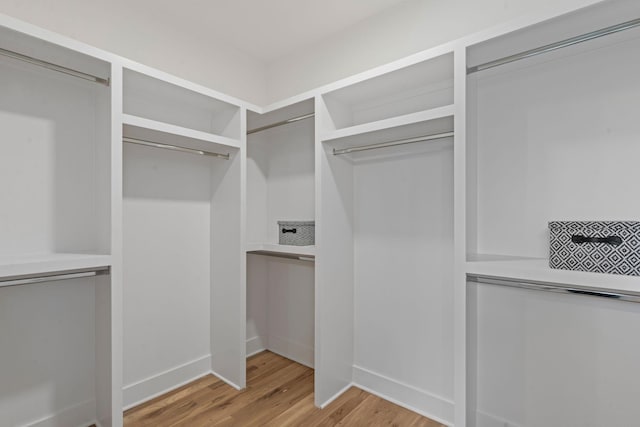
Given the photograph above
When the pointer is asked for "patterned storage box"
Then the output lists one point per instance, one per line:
(599, 246)
(298, 233)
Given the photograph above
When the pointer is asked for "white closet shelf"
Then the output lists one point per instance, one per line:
(538, 270)
(165, 133)
(290, 250)
(21, 265)
(391, 123)
(425, 123)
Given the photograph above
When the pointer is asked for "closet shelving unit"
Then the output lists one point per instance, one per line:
(384, 299)
(553, 149)
(551, 135)
(56, 245)
(385, 206)
(280, 187)
(183, 191)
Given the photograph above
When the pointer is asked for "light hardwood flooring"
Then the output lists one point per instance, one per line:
(279, 393)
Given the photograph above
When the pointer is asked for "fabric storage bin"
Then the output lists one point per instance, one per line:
(598, 246)
(298, 233)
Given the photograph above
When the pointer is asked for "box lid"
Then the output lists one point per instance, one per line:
(595, 225)
(296, 223)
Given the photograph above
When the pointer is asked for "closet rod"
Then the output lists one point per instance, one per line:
(555, 46)
(393, 143)
(174, 148)
(63, 275)
(557, 288)
(284, 122)
(54, 67)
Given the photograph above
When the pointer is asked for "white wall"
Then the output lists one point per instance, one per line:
(150, 37)
(410, 27)
(166, 270)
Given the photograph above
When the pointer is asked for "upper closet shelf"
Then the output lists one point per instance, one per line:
(163, 133)
(288, 251)
(424, 127)
(538, 271)
(391, 123)
(52, 266)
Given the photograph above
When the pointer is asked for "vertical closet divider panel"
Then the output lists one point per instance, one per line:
(57, 341)
(183, 228)
(281, 186)
(334, 323)
(551, 137)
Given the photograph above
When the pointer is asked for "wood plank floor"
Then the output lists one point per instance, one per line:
(279, 393)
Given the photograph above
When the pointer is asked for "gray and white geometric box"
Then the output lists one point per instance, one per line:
(297, 233)
(596, 246)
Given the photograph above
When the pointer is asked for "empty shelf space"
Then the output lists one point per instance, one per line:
(282, 250)
(538, 270)
(411, 89)
(391, 123)
(165, 133)
(51, 263)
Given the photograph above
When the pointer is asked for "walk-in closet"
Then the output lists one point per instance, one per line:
(383, 216)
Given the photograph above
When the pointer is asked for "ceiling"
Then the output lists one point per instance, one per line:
(269, 29)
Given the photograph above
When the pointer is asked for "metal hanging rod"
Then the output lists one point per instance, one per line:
(555, 46)
(174, 148)
(557, 288)
(392, 143)
(284, 122)
(62, 275)
(54, 67)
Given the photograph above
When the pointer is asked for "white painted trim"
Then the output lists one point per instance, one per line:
(337, 395)
(225, 380)
(489, 420)
(142, 391)
(81, 415)
(412, 398)
(254, 346)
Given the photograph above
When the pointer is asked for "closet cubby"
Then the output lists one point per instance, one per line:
(55, 234)
(158, 100)
(280, 168)
(280, 278)
(183, 255)
(55, 159)
(551, 137)
(403, 95)
(386, 249)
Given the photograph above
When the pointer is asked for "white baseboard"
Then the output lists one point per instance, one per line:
(297, 352)
(142, 391)
(255, 345)
(484, 419)
(80, 415)
(335, 396)
(226, 380)
(405, 395)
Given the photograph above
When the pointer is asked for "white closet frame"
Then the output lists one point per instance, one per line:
(332, 377)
